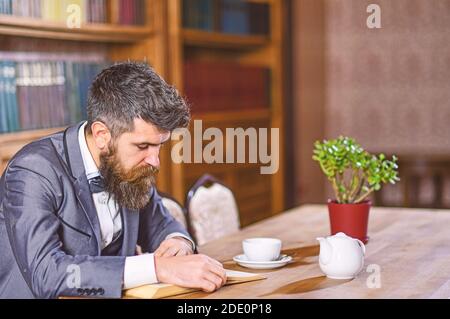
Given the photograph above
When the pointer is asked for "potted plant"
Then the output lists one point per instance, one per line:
(354, 174)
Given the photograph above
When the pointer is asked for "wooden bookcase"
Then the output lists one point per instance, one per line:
(165, 44)
(118, 42)
(259, 196)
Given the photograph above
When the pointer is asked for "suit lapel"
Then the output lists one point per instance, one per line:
(130, 231)
(80, 182)
(87, 203)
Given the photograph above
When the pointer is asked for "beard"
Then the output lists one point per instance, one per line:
(130, 188)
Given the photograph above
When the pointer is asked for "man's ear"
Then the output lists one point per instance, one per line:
(100, 134)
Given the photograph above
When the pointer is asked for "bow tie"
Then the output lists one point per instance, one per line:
(96, 185)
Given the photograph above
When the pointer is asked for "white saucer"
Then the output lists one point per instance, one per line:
(244, 262)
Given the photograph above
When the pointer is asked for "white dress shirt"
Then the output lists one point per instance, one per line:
(139, 270)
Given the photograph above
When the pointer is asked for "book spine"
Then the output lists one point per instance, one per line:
(45, 9)
(103, 10)
(132, 13)
(31, 10)
(71, 89)
(36, 87)
(143, 12)
(84, 11)
(191, 14)
(56, 7)
(259, 15)
(139, 12)
(135, 12)
(207, 15)
(22, 82)
(40, 91)
(9, 6)
(235, 17)
(52, 10)
(51, 100)
(62, 10)
(60, 100)
(76, 93)
(88, 13)
(121, 11)
(196, 18)
(26, 8)
(4, 6)
(16, 7)
(4, 99)
(68, 75)
(80, 94)
(66, 93)
(33, 103)
(11, 100)
(37, 9)
(94, 9)
(3, 108)
(47, 93)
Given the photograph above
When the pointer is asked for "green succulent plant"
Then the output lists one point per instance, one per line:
(352, 171)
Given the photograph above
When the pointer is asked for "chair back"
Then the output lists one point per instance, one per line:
(175, 209)
(212, 210)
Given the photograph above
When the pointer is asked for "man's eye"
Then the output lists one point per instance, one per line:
(143, 147)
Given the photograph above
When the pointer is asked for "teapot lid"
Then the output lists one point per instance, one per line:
(341, 234)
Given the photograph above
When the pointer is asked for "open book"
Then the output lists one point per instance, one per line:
(156, 291)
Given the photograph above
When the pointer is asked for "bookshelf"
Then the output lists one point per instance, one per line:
(258, 196)
(110, 40)
(219, 40)
(167, 45)
(95, 32)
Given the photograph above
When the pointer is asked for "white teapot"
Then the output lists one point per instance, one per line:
(341, 256)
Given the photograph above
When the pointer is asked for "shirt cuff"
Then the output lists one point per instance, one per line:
(184, 236)
(139, 271)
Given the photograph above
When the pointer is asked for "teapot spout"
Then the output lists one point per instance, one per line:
(325, 250)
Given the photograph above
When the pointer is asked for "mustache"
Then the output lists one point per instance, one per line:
(138, 173)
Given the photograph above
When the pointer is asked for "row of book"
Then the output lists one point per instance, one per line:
(227, 16)
(220, 86)
(130, 12)
(91, 11)
(45, 94)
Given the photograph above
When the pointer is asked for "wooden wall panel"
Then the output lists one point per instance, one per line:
(309, 82)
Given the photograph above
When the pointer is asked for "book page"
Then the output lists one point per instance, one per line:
(155, 291)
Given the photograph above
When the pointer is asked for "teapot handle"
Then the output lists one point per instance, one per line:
(362, 246)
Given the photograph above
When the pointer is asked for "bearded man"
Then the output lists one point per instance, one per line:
(74, 206)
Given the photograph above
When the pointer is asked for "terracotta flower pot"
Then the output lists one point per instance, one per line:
(351, 219)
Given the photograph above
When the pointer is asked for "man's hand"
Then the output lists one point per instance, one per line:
(175, 246)
(193, 271)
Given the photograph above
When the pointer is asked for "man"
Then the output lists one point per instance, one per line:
(75, 205)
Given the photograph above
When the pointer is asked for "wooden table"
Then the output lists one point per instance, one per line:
(411, 247)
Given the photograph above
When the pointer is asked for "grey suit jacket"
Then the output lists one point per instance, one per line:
(49, 230)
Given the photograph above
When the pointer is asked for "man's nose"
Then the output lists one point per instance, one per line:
(152, 160)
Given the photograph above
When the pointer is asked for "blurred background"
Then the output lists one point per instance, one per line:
(312, 68)
(388, 88)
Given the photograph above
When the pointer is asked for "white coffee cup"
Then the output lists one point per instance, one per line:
(262, 249)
